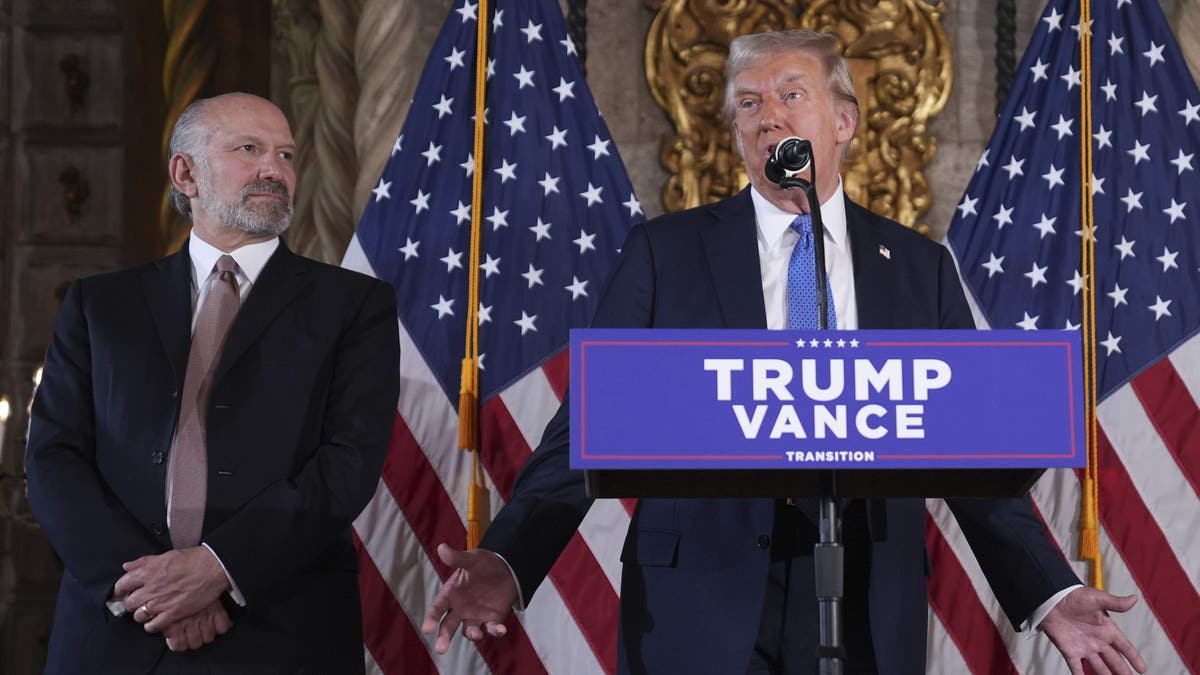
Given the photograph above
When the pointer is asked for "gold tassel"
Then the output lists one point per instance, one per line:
(479, 505)
(468, 406)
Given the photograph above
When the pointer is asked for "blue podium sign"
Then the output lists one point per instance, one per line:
(887, 399)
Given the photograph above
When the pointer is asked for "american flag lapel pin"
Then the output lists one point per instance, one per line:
(883, 251)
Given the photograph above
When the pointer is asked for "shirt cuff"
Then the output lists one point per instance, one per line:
(116, 606)
(519, 605)
(1039, 614)
(233, 587)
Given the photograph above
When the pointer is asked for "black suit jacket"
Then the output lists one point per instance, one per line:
(299, 420)
(694, 574)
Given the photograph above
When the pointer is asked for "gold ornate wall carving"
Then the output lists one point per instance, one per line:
(899, 57)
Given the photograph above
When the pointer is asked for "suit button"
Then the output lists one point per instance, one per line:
(764, 542)
(156, 457)
(157, 528)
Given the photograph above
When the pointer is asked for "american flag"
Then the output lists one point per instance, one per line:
(557, 204)
(1016, 237)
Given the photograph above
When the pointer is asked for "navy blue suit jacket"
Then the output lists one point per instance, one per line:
(694, 575)
(299, 420)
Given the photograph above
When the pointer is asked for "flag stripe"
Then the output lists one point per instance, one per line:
(1174, 414)
(394, 643)
(558, 370)
(1141, 544)
(963, 615)
(592, 605)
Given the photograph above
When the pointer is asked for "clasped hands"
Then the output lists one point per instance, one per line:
(177, 594)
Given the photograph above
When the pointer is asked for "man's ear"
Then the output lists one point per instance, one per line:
(182, 169)
(847, 121)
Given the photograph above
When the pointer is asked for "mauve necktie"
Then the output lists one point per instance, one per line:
(802, 281)
(189, 454)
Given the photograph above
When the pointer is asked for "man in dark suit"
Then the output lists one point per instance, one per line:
(726, 586)
(208, 426)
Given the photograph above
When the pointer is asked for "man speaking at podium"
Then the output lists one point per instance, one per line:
(726, 586)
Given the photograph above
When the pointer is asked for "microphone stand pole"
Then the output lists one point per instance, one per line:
(828, 552)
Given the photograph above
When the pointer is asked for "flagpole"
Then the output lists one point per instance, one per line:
(468, 398)
(1089, 535)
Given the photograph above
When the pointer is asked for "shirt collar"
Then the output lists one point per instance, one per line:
(251, 258)
(773, 222)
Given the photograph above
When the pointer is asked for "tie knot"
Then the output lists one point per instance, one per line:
(802, 223)
(226, 263)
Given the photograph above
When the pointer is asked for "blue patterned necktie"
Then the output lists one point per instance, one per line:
(803, 312)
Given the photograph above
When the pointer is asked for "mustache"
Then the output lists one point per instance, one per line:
(260, 187)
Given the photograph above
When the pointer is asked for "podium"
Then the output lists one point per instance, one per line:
(829, 414)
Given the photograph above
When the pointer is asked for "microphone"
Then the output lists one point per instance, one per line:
(791, 156)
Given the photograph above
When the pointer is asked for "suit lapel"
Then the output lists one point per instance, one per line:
(283, 278)
(731, 247)
(872, 271)
(167, 286)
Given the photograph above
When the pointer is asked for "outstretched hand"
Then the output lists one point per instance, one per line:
(1082, 630)
(478, 596)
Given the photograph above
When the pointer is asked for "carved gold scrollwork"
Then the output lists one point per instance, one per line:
(900, 60)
